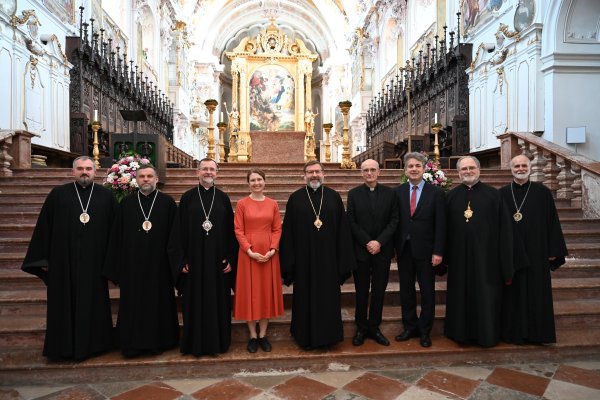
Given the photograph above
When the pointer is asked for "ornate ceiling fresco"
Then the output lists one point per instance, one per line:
(324, 25)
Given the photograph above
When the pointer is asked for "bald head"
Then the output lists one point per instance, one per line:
(370, 172)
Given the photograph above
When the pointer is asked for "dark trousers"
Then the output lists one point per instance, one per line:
(409, 270)
(373, 274)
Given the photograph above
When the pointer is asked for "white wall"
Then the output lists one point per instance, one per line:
(35, 97)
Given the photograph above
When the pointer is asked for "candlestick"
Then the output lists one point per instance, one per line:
(221, 116)
(435, 118)
(95, 115)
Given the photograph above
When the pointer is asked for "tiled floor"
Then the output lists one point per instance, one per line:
(572, 381)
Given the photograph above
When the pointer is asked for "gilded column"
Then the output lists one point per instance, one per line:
(327, 127)
(300, 97)
(347, 162)
(243, 103)
(211, 104)
(222, 126)
(234, 85)
(309, 91)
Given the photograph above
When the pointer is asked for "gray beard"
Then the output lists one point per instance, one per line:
(522, 177)
(147, 189)
(208, 181)
(314, 184)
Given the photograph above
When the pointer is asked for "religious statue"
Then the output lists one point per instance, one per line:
(309, 121)
(234, 118)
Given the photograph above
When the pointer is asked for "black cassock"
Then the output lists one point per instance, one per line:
(206, 289)
(317, 262)
(479, 255)
(138, 262)
(528, 313)
(79, 322)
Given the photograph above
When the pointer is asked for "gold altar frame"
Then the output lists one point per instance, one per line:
(271, 47)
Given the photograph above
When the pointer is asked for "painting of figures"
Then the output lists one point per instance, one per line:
(475, 12)
(63, 9)
(271, 99)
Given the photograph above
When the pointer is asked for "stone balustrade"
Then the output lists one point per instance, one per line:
(177, 157)
(569, 175)
(15, 150)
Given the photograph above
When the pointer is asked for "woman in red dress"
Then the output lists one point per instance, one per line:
(258, 292)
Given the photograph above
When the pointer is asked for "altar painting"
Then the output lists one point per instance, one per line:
(271, 99)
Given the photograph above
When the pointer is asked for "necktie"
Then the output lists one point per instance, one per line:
(413, 200)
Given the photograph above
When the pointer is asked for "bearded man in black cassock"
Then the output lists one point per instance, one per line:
(316, 256)
(479, 256)
(138, 262)
(528, 313)
(203, 251)
(67, 252)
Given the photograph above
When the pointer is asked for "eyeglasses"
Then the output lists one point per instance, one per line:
(469, 168)
(317, 171)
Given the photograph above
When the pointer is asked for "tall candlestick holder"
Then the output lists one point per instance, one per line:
(347, 162)
(436, 145)
(222, 126)
(96, 125)
(211, 104)
(327, 128)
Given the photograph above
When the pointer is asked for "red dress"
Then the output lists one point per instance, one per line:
(258, 292)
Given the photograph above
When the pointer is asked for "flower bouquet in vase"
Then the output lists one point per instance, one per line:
(121, 177)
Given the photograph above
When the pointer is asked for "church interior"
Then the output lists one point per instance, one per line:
(274, 84)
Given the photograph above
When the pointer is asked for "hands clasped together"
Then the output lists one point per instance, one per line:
(259, 257)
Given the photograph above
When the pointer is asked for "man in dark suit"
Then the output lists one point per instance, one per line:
(373, 214)
(419, 247)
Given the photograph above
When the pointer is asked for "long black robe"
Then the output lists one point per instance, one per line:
(528, 313)
(206, 289)
(317, 262)
(78, 317)
(138, 262)
(479, 255)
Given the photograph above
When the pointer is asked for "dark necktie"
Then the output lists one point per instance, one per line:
(413, 200)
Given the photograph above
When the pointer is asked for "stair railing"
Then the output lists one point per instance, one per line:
(570, 176)
(6, 137)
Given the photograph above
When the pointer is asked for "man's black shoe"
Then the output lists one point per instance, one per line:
(252, 345)
(407, 334)
(377, 336)
(425, 340)
(359, 338)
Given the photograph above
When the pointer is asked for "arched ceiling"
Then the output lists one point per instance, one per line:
(324, 25)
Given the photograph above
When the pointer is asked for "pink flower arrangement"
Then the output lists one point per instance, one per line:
(121, 177)
(433, 174)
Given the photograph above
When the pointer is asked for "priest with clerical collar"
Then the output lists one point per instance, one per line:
(138, 262)
(314, 257)
(203, 253)
(528, 313)
(479, 255)
(67, 252)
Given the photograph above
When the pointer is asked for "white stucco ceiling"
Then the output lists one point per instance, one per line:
(324, 25)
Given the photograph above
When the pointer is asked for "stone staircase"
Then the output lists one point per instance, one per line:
(23, 297)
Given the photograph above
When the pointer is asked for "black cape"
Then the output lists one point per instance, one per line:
(206, 290)
(317, 262)
(479, 255)
(79, 322)
(528, 313)
(138, 262)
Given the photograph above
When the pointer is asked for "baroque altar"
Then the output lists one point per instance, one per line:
(271, 93)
